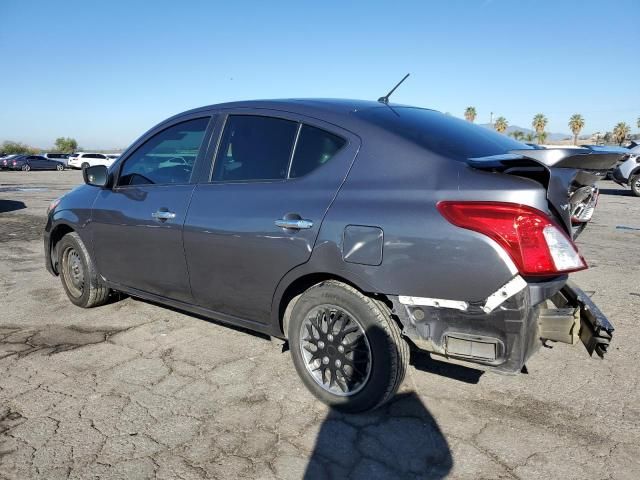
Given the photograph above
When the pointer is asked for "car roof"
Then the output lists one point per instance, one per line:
(322, 108)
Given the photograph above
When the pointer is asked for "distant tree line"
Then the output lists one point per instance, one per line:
(619, 134)
(61, 145)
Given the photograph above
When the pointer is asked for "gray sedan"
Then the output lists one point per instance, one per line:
(355, 230)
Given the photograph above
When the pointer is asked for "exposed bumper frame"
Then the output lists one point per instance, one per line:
(504, 330)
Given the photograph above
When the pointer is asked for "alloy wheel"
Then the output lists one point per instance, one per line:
(336, 350)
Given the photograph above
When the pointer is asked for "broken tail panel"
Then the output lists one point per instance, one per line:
(568, 174)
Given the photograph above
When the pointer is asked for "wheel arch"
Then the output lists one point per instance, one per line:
(59, 231)
(288, 291)
(635, 171)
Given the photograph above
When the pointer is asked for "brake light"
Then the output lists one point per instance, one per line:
(535, 243)
(15, 163)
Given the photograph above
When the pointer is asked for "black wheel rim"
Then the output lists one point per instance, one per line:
(73, 271)
(336, 351)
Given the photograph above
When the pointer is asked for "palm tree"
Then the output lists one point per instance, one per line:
(518, 135)
(470, 114)
(542, 136)
(576, 124)
(529, 137)
(620, 132)
(501, 124)
(539, 123)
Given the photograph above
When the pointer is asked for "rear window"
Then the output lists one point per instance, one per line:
(442, 134)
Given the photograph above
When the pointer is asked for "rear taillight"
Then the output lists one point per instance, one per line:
(15, 163)
(535, 243)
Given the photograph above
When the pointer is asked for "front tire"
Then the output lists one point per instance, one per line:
(634, 183)
(78, 274)
(60, 167)
(346, 348)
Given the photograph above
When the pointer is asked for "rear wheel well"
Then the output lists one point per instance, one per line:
(56, 235)
(300, 285)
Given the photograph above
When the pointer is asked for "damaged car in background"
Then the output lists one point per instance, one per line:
(352, 229)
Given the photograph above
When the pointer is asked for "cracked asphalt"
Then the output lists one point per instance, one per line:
(135, 390)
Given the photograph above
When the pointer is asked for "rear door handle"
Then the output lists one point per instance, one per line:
(163, 215)
(294, 224)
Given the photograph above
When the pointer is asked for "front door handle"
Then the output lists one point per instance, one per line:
(294, 224)
(163, 215)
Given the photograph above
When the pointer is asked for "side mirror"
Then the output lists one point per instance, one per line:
(98, 176)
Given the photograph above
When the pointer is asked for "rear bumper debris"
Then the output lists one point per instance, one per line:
(596, 331)
(503, 331)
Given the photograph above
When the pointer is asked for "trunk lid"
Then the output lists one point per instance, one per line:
(568, 174)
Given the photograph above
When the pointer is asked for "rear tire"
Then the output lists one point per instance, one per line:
(26, 168)
(78, 274)
(634, 183)
(357, 360)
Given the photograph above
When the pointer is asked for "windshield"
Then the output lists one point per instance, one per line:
(443, 134)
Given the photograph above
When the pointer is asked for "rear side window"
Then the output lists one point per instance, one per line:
(167, 157)
(314, 148)
(254, 148)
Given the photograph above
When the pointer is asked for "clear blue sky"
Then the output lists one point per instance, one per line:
(106, 71)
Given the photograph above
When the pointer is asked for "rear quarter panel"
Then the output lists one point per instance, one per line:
(395, 186)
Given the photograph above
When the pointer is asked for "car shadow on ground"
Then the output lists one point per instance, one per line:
(400, 440)
(120, 296)
(424, 362)
(11, 205)
(616, 191)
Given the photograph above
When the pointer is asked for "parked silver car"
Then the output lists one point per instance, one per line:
(352, 229)
(628, 172)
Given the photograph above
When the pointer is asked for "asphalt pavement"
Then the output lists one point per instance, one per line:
(135, 390)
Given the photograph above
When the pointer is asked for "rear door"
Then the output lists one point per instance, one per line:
(137, 225)
(36, 162)
(258, 214)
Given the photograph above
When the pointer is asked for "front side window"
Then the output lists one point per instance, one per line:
(254, 148)
(167, 157)
(314, 148)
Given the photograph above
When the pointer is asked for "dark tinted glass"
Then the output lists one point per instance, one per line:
(315, 147)
(441, 133)
(254, 148)
(167, 157)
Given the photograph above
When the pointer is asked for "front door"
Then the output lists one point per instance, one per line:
(273, 180)
(137, 225)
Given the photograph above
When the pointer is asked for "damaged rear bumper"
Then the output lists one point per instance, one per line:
(596, 331)
(504, 330)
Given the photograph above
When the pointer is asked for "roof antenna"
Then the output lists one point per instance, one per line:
(385, 99)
